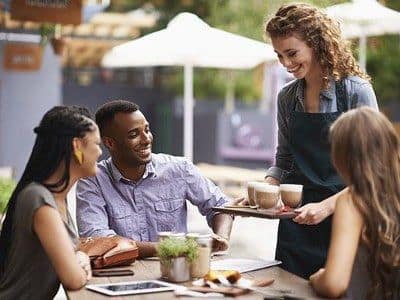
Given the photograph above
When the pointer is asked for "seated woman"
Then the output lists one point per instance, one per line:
(364, 255)
(37, 241)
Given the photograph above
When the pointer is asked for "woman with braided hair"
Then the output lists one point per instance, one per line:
(328, 82)
(37, 241)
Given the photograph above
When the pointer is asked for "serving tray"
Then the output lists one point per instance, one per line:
(273, 213)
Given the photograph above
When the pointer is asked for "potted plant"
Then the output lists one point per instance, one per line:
(6, 188)
(176, 255)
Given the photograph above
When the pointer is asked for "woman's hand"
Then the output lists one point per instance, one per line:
(84, 261)
(312, 213)
(272, 180)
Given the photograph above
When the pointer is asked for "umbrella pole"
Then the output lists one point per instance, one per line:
(362, 54)
(188, 112)
(230, 92)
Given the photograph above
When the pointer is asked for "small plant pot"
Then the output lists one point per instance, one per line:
(58, 45)
(177, 271)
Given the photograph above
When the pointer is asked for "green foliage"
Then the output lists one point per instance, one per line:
(47, 31)
(247, 18)
(6, 188)
(211, 83)
(167, 8)
(383, 65)
(170, 248)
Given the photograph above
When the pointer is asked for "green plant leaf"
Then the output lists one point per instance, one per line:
(170, 248)
(6, 188)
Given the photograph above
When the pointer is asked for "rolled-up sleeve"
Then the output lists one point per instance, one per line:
(91, 214)
(201, 192)
(283, 156)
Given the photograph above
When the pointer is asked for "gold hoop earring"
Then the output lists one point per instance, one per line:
(79, 156)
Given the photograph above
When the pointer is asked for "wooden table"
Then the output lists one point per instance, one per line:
(147, 269)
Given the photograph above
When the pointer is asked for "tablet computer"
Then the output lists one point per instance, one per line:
(132, 287)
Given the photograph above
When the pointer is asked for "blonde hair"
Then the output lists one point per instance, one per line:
(366, 153)
(322, 34)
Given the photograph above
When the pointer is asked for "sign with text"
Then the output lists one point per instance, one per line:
(22, 57)
(53, 11)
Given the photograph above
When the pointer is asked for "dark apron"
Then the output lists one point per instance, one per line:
(303, 248)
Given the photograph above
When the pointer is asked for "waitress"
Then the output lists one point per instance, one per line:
(328, 83)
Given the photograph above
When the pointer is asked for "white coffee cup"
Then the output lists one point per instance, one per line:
(251, 193)
(266, 195)
(291, 194)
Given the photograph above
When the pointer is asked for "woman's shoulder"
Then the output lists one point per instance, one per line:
(290, 88)
(35, 194)
(289, 92)
(360, 92)
(35, 188)
(354, 80)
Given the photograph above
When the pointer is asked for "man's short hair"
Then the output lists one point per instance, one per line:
(105, 114)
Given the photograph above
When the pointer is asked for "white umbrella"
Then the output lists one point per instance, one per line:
(188, 41)
(362, 18)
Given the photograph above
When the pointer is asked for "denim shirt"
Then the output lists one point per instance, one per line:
(359, 92)
(109, 204)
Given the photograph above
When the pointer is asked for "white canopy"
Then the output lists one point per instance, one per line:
(188, 41)
(363, 18)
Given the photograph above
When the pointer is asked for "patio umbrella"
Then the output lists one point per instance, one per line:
(190, 42)
(363, 18)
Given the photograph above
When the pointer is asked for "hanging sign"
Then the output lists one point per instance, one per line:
(52, 11)
(22, 57)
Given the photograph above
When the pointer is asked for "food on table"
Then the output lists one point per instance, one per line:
(231, 275)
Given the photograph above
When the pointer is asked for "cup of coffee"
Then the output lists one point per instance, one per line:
(291, 194)
(266, 195)
(251, 191)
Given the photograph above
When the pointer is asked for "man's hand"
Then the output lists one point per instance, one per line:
(219, 243)
(239, 201)
(312, 213)
(221, 226)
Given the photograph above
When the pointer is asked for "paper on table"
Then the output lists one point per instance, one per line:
(189, 293)
(243, 265)
(151, 258)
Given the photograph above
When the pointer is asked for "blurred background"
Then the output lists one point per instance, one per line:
(45, 61)
(234, 110)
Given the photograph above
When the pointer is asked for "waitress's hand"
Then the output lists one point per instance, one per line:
(272, 180)
(312, 213)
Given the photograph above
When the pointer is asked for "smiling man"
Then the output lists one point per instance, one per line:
(137, 193)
